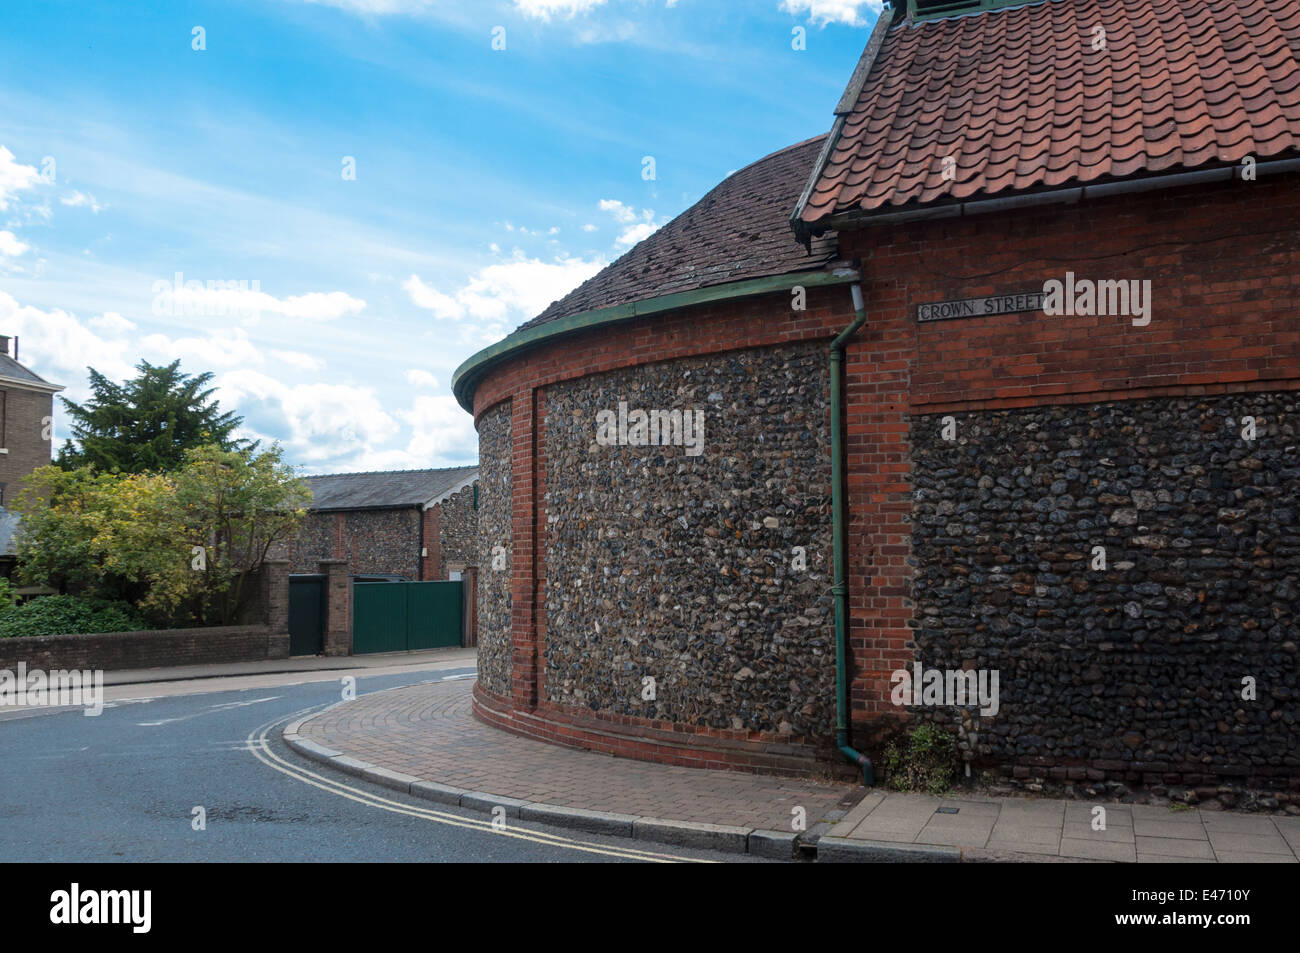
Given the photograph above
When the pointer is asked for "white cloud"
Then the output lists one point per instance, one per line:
(543, 9)
(317, 422)
(522, 230)
(634, 234)
(823, 12)
(82, 200)
(424, 296)
(10, 246)
(221, 348)
(59, 348)
(440, 430)
(421, 379)
(589, 227)
(112, 323)
(323, 426)
(14, 177)
(192, 297)
(303, 362)
(638, 225)
(622, 213)
(521, 287)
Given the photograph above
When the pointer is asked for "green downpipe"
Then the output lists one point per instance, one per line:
(840, 516)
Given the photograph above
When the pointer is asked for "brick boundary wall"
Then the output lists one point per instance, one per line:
(115, 651)
(1224, 261)
(263, 635)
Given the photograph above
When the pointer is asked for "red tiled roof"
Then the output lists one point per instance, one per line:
(1020, 100)
(739, 230)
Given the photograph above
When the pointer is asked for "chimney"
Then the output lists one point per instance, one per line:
(4, 345)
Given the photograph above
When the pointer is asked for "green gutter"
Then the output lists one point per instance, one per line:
(840, 518)
(466, 378)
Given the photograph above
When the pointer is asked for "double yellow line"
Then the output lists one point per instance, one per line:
(259, 745)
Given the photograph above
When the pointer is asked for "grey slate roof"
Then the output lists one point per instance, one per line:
(15, 371)
(385, 489)
(739, 230)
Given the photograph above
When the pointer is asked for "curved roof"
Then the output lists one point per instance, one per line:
(1037, 96)
(739, 230)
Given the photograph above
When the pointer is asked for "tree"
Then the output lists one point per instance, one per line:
(148, 423)
(181, 546)
(231, 507)
(84, 532)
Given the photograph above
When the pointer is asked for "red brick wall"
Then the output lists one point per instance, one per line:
(431, 559)
(1223, 264)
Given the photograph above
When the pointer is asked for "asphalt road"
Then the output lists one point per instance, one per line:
(123, 787)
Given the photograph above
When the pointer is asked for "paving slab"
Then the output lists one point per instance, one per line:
(1246, 857)
(1146, 827)
(1098, 850)
(1253, 843)
(1175, 847)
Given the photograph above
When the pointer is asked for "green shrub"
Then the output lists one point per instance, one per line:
(7, 597)
(69, 615)
(926, 760)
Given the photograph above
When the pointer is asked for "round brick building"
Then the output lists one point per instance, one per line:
(833, 423)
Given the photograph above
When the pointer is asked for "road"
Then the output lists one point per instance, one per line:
(123, 786)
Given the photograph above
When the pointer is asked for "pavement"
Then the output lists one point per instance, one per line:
(423, 740)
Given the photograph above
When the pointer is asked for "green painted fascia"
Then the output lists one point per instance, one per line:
(466, 377)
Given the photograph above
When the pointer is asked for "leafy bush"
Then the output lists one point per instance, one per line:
(181, 546)
(69, 615)
(925, 761)
(7, 597)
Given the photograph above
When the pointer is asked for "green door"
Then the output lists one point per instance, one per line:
(403, 616)
(306, 615)
(432, 614)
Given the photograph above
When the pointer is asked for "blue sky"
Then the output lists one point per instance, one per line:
(487, 183)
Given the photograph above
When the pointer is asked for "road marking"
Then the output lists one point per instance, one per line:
(226, 706)
(261, 749)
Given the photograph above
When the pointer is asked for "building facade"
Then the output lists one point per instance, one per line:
(26, 437)
(1067, 408)
(418, 524)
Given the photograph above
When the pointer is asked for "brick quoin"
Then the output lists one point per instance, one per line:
(1224, 265)
(431, 561)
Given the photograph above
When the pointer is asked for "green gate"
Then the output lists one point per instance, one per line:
(404, 616)
(306, 615)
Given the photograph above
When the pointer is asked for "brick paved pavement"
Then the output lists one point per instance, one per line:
(428, 731)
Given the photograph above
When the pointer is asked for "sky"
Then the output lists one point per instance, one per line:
(366, 192)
